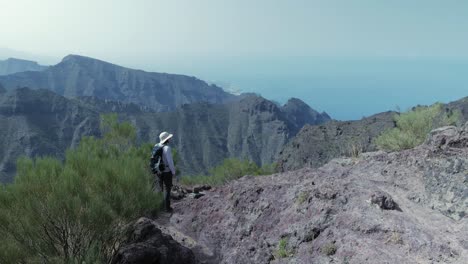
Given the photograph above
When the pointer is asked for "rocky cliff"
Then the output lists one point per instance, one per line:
(402, 207)
(12, 65)
(316, 145)
(205, 134)
(40, 122)
(77, 76)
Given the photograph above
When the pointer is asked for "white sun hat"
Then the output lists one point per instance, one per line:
(164, 136)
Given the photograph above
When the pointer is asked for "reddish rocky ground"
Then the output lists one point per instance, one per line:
(403, 207)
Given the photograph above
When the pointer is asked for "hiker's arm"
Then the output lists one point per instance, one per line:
(170, 162)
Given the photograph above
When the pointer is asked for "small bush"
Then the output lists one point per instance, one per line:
(356, 149)
(77, 211)
(329, 249)
(282, 250)
(229, 170)
(395, 238)
(302, 197)
(412, 127)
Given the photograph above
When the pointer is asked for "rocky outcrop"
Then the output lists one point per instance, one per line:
(300, 113)
(77, 76)
(460, 106)
(315, 145)
(401, 207)
(446, 177)
(12, 65)
(146, 244)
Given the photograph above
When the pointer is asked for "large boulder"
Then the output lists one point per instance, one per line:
(448, 137)
(146, 244)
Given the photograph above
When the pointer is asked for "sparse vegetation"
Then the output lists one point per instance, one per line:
(354, 149)
(413, 126)
(329, 249)
(302, 197)
(395, 238)
(229, 170)
(77, 211)
(282, 250)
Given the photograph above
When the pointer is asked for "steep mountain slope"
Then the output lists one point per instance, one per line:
(403, 207)
(314, 146)
(39, 122)
(12, 65)
(205, 134)
(77, 76)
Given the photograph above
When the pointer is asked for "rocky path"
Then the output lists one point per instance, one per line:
(203, 254)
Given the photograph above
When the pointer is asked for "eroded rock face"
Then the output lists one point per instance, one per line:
(402, 207)
(40, 123)
(148, 245)
(448, 137)
(315, 145)
(446, 176)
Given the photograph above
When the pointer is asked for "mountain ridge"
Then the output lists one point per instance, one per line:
(14, 65)
(77, 76)
(315, 145)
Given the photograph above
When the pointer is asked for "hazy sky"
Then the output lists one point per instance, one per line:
(222, 39)
(124, 29)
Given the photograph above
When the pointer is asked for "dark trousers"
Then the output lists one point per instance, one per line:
(165, 185)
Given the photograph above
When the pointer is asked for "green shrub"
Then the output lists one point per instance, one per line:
(229, 170)
(77, 211)
(413, 126)
(329, 249)
(395, 238)
(302, 197)
(282, 250)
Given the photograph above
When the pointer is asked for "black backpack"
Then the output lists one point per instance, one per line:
(156, 162)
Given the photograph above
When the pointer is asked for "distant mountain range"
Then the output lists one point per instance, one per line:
(77, 76)
(40, 122)
(12, 65)
(63, 103)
